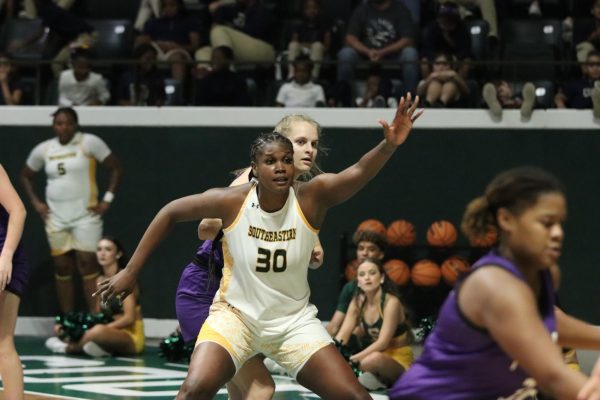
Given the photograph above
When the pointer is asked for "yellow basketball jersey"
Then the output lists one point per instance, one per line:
(266, 257)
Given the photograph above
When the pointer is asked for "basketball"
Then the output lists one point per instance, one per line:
(401, 233)
(426, 273)
(350, 271)
(441, 234)
(373, 225)
(397, 271)
(452, 268)
(486, 240)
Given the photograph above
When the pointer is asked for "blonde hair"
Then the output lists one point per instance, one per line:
(284, 126)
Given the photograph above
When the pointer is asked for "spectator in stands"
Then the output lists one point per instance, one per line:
(380, 30)
(378, 91)
(587, 37)
(30, 10)
(448, 35)
(11, 90)
(144, 84)
(66, 31)
(487, 8)
(301, 91)
(148, 9)
(443, 87)
(499, 95)
(80, 86)
(222, 86)
(247, 27)
(312, 36)
(585, 92)
(174, 35)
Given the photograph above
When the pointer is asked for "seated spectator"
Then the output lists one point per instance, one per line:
(380, 30)
(247, 27)
(499, 95)
(376, 308)
(65, 32)
(585, 92)
(144, 84)
(312, 37)
(79, 86)
(368, 245)
(301, 91)
(125, 334)
(148, 9)
(587, 37)
(11, 90)
(377, 92)
(222, 86)
(488, 11)
(174, 35)
(443, 87)
(449, 35)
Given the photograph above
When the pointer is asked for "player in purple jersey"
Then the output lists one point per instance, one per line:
(497, 331)
(13, 279)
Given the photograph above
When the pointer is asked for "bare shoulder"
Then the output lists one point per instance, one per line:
(492, 292)
(494, 281)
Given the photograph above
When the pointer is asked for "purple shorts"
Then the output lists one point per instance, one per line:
(194, 297)
(20, 273)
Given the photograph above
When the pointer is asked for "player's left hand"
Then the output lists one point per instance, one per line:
(406, 114)
(101, 208)
(119, 286)
(591, 388)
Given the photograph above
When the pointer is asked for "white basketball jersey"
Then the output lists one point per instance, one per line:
(71, 172)
(266, 257)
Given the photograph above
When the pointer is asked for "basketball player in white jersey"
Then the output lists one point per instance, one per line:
(270, 228)
(71, 210)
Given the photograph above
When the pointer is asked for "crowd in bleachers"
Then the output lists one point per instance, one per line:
(302, 53)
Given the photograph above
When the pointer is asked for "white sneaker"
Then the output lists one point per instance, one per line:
(528, 94)
(371, 382)
(93, 350)
(56, 345)
(534, 9)
(490, 96)
(274, 368)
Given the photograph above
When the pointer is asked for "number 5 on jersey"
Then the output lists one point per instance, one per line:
(277, 261)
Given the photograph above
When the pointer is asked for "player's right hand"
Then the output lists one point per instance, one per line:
(119, 286)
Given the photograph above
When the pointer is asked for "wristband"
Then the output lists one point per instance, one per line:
(108, 197)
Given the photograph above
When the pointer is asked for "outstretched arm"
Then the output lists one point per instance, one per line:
(573, 332)
(215, 203)
(333, 189)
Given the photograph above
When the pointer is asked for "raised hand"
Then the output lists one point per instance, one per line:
(119, 286)
(406, 114)
(591, 389)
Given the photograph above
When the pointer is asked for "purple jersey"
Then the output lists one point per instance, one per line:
(20, 272)
(461, 361)
(197, 289)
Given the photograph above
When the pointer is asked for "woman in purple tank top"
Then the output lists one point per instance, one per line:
(497, 332)
(13, 280)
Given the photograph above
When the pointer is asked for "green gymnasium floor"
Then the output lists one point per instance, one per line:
(49, 376)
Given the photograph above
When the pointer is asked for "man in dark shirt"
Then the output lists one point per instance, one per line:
(585, 92)
(380, 30)
(66, 31)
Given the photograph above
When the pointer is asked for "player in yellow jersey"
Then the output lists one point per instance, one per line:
(271, 226)
(71, 211)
